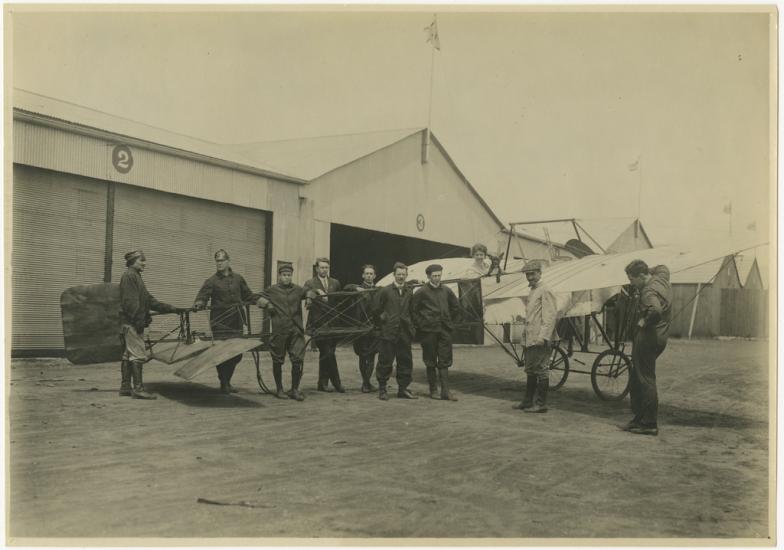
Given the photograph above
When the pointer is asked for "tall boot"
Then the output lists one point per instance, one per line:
(277, 373)
(446, 395)
(125, 385)
(370, 366)
(228, 373)
(540, 398)
(296, 377)
(224, 387)
(138, 390)
(530, 389)
(363, 374)
(323, 375)
(366, 369)
(432, 381)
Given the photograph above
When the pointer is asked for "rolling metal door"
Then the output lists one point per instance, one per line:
(59, 224)
(179, 236)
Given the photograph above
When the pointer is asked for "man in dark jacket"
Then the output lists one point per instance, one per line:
(283, 302)
(366, 346)
(649, 342)
(135, 304)
(319, 312)
(435, 308)
(393, 314)
(227, 293)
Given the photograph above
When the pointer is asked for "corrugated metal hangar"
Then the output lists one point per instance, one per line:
(89, 186)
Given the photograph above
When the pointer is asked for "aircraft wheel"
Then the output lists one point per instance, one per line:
(559, 368)
(610, 375)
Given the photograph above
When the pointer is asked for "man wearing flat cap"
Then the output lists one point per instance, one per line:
(283, 303)
(227, 292)
(435, 309)
(135, 305)
(540, 318)
(392, 313)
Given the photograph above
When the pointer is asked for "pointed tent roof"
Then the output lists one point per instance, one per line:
(702, 274)
(611, 234)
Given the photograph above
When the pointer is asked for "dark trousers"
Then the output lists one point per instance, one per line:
(436, 349)
(328, 364)
(642, 379)
(390, 350)
(226, 369)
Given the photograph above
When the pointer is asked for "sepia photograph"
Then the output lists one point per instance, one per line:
(390, 275)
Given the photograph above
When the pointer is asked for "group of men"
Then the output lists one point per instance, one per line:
(398, 315)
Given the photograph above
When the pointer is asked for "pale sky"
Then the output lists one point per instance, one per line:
(543, 112)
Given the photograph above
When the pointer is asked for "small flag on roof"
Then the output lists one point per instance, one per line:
(432, 34)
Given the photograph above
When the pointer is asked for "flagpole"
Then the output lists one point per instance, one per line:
(639, 186)
(430, 98)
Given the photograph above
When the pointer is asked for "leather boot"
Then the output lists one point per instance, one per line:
(138, 390)
(540, 397)
(335, 375)
(228, 373)
(530, 388)
(277, 373)
(446, 395)
(382, 392)
(125, 385)
(432, 381)
(296, 377)
(370, 366)
(224, 388)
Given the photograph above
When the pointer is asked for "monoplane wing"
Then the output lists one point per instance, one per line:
(583, 286)
(171, 352)
(218, 352)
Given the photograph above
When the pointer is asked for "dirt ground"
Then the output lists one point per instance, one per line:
(85, 462)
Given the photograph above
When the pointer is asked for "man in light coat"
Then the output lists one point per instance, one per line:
(540, 316)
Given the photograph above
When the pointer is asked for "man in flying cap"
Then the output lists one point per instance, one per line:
(540, 317)
(435, 308)
(227, 293)
(135, 305)
(283, 302)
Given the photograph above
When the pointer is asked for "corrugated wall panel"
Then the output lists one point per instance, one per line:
(58, 242)
(179, 236)
(57, 149)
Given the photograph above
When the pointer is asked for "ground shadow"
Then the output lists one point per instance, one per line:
(585, 401)
(198, 395)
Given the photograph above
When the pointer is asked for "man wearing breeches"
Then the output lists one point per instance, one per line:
(435, 308)
(283, 302)
(135, 304)
(540, 316)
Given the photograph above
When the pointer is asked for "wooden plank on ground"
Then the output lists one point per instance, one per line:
(218, 352)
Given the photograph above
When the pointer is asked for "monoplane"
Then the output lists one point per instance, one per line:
(590, 291)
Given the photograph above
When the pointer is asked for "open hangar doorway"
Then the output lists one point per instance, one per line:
(352, 247)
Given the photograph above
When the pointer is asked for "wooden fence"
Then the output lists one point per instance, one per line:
(715, 312)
